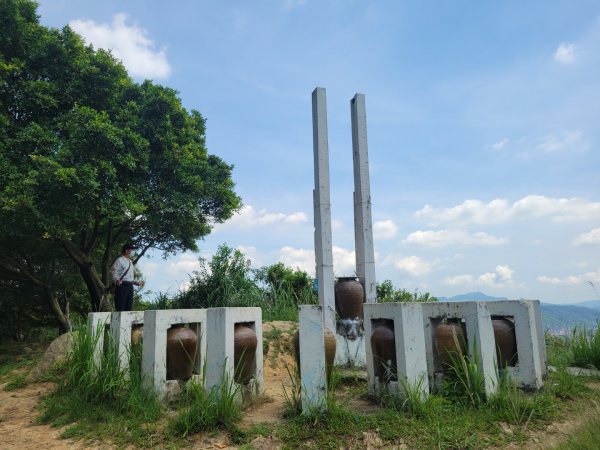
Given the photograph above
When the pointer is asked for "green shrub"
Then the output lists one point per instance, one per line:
(386, 293)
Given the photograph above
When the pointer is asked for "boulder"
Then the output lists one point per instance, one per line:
(57, 352)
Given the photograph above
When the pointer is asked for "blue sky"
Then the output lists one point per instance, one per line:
(482, 122)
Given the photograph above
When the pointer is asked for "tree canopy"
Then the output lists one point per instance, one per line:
(90, 159)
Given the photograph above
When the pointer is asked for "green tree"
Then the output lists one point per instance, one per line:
(89, 159)
(224, 280)
(386, 292)
(279, 277)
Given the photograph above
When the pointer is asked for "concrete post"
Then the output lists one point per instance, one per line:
(313, 378)
(411, 362)
(98, 322)
(220, 351)
(531, 349)
(154, 351)
(322, 208)
(480, 336)
(121, 325)
(363, 226)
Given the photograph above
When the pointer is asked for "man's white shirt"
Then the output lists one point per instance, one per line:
(119, 267)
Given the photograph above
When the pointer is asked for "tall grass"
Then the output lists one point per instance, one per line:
(292, 406)
(101, 398)
(581, 348)
(512, 405)
(585, 347)
(203, 411)
(409, 398)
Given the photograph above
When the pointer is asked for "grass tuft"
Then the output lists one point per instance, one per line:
(202, 411)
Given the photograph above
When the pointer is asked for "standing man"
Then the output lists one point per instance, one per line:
(122, 276)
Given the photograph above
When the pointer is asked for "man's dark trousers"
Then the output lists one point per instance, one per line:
(124, 297)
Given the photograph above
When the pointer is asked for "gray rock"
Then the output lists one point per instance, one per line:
(56, 353)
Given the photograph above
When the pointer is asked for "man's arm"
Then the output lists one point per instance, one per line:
(115, 271)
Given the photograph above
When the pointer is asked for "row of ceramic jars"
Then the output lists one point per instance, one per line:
(182, 345)
(448, 338)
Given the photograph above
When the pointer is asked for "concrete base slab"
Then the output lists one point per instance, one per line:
(350, 352)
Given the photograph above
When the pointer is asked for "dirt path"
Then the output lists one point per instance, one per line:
(18, 411)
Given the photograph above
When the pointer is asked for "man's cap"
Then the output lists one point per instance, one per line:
(126, 247)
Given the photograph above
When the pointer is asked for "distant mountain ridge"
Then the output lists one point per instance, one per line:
(470, 297)
(594, 304)
(558, 319)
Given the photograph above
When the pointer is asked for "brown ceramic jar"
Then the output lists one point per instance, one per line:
(182, 344)
(244, 345)
(383, 343)
(349, 298)
(506, 341)
(445, 344)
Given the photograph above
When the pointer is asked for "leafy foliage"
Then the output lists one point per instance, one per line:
(227, 279)
(386, 292)
(90, 159)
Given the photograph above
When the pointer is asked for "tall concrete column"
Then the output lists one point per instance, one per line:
(363, 223)
(322, 209)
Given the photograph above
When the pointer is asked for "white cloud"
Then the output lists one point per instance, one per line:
(566, 141)
(571, 280)
(248, 217)
(129, 43)
(501, 277)
(459, 280)
(344, 260)
(500, 144)
(180, 266)
(384, 229)
(505, 272)
(590, 238)
(298, 258)
(413, 265)
(441, 238)
(500, 210)
(565, 54)
(251, 253)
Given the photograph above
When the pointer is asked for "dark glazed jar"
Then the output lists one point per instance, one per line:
(506, 341)
(244, 352)
(445, 343)
(349, 298)
(383, 343)
(330, 347)
(182, 344)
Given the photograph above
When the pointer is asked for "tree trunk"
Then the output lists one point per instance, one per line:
(96, 289)
(95, 286)
(64, 323)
